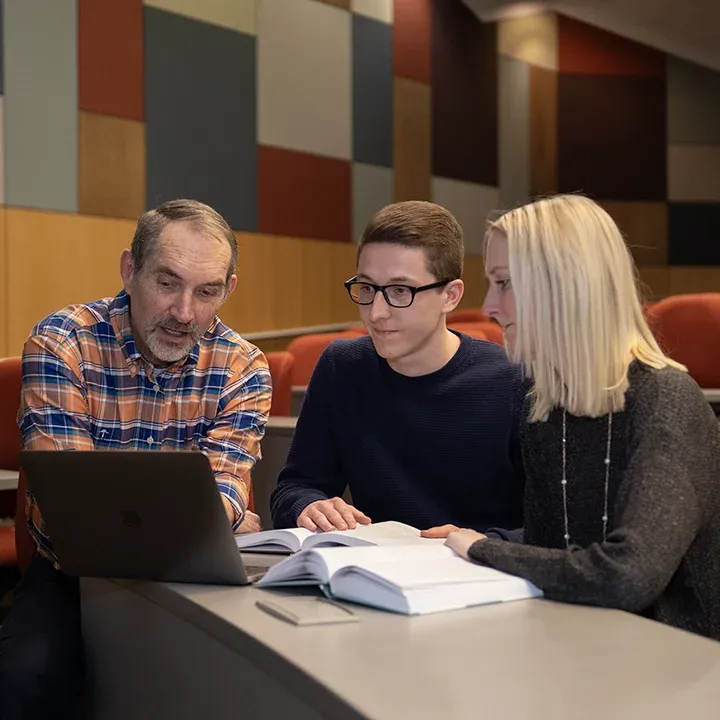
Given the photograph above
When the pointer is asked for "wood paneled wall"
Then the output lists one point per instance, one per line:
(49, 260)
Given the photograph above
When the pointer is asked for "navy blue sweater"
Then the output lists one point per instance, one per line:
(429, 450)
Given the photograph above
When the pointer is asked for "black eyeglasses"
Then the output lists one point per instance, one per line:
(398, 296)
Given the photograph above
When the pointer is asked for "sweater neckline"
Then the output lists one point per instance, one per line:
(448, 370)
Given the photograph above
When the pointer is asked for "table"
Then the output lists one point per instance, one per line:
(189, 651)
(296, 398)
(9, 479)
(712, 395)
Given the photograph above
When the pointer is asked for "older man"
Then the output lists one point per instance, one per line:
(152, 368)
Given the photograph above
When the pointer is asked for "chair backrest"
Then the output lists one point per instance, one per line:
(280, 363)
(489, 330)
(469, 315)
(307, 349)
(10, 444)
(474, 330)
(688, 329)
(10, 438)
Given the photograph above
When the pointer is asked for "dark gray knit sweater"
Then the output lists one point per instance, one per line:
(662, 554)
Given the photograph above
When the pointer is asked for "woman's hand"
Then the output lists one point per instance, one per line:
(461, 540)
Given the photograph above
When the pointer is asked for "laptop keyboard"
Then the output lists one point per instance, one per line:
(255, 569)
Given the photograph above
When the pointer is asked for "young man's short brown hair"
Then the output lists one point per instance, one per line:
(419, 224)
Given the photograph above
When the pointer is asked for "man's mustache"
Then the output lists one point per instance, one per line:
(172, 324)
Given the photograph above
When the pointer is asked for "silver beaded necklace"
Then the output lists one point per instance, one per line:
(564, 477)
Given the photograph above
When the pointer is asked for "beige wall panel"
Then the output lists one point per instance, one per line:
(645, 227)
(684, 280)
(304, 77)
(232, 14)
(112, 166)
(57, 259)
(654, 282)
(475, 282)
(382, 10)
(3, 286)
(288, 282)
(533, 39)
(412, 138)
(543, 130)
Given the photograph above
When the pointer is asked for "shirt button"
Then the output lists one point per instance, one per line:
(150, 440)
(156, 387)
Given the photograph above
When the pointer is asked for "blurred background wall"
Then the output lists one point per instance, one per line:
(297, 119)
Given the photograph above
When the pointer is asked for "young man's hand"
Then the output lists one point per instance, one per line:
(333, 514)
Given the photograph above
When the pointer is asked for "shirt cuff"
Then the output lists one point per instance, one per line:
(307, 498)
(232, 494)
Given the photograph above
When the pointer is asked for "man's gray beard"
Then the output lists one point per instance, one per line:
(167, 353)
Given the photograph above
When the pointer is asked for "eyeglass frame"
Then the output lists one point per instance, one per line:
(383, 289)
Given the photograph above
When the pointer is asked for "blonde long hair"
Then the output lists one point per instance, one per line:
(579, 316)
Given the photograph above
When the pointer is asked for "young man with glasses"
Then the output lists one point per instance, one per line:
(419, 422)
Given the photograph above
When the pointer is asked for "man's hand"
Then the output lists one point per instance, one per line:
(441, 531)
(333, 514)
(251, 522)
(461, 541)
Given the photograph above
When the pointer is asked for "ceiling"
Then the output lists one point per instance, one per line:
(690, 29)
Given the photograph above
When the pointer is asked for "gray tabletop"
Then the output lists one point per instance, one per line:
(533, 659)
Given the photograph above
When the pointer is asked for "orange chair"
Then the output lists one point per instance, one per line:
(490, 330)
(471, 329)
(10, 443)
(280, 363)
(688, 329)
(307, 349)
(467, 316)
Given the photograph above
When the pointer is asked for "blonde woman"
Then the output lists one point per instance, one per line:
(621, 450)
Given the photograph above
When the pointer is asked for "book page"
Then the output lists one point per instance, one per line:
(420, 572)
(420, 554)
(317, 566)
(290, 539)
(382, 534)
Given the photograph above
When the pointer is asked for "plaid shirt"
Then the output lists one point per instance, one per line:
(85, 386)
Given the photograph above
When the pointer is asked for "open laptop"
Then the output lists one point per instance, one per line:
(136, 514)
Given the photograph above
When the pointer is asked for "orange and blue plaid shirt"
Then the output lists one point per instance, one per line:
(85, 385)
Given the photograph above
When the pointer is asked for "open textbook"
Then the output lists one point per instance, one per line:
(410, 579)
(294, 539)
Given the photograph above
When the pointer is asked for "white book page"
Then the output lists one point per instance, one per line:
(290, 538)
(302, 568)
(322, 563)
(369, 589)
(423, 572)
(335, 558)
(383, 534)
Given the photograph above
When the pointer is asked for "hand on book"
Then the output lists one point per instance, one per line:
(333, 514)
(461, 541)
(441, 531)
(251, 523)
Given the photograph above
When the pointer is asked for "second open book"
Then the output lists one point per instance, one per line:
(387, 566)
(294, 539)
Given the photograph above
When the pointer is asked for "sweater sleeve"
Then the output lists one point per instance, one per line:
(673, 445)
(312, 470)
